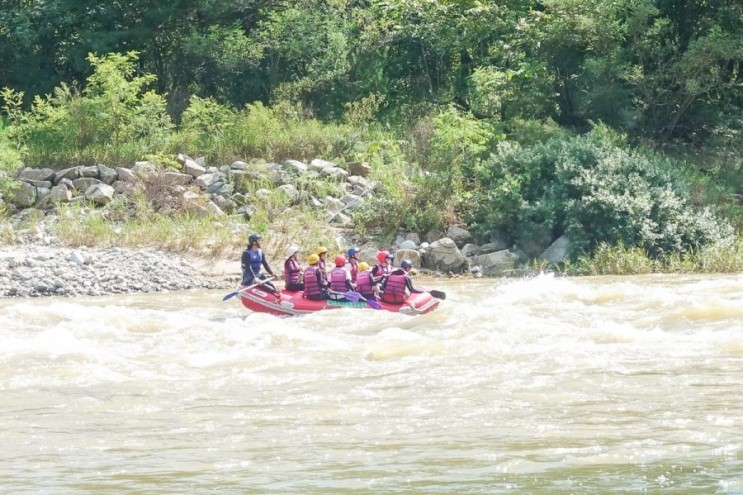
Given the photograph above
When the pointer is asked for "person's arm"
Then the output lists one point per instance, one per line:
(409, 283)
(320, 281)
(349, 284)
(265, 264)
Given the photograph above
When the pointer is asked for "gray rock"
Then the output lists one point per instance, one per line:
(407, 254)
(107, 175)
(443, 255)
(294, 166)
(469, 250)
(498, 263)
(26, 195)
(100, 194)
(71, 173)
(319, 165)
(125, 174)
(558, 250)
(176, 179)
(83, 183)
(41, 174)
(459, 235)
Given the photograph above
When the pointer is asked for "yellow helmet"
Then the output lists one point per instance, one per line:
(321, 250)
(363, 266)
(313, 259)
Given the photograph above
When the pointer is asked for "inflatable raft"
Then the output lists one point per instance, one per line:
(294, 303)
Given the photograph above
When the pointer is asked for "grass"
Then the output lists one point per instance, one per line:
(623, 260)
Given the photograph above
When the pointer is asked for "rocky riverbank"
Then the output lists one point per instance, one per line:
(40, 266)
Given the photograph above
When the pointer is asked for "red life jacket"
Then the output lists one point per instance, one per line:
(364, 284)
(396, 288)
(311, 287)
(338, 279)
(379, 271)
(291, 272)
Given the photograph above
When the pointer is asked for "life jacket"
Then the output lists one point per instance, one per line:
(396, 288)
(364, 284)
(354, 269)
(256, 260)
(338, 279)
(323, 270)
(379, 272)
(311, 288)
(291, 272)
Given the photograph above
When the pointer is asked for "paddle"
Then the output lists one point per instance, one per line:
(369, 302)
(233, 294)
(438, 294)
(354, 296)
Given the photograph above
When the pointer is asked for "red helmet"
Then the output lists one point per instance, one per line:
(340, 261)
(384, 255)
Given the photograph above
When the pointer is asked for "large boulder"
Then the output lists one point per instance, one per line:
(497, 263)
(100, 193)
(558, 250)
(459, 235)
(40, 174)
(26, 195)
(445, 256)
(407, 254)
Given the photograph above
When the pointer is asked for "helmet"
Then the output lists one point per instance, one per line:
(321, 250)
(352, 251)
(340, 260)
(291, 251)
(313, 259)
(363, 266)
(406, 264)
(253, 238)
(384, 255)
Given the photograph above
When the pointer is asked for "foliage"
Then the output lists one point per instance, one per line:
(624, 260)
(114, 119)
(10, 162)
(595, 190)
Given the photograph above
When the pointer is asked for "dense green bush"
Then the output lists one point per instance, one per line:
(114, 119)
(595, 189)
(10, 162)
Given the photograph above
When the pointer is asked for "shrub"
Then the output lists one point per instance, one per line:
(10, 162)
(595, 189)
(114, 119)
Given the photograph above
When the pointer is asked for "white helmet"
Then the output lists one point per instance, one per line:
(292, 250)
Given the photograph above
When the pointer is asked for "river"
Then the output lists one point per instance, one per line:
(545, 385)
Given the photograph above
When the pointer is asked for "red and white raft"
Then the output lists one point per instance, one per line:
(288, 303)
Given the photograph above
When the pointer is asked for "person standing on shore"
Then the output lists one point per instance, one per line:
(252, 261)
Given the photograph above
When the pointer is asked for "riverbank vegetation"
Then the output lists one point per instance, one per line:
(618, 126)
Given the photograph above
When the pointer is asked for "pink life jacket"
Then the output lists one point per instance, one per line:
(354, 269)
(364, 284)
(379, 272)
(338, 279)
(396, 288)
(291, 272)
(311, 287)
